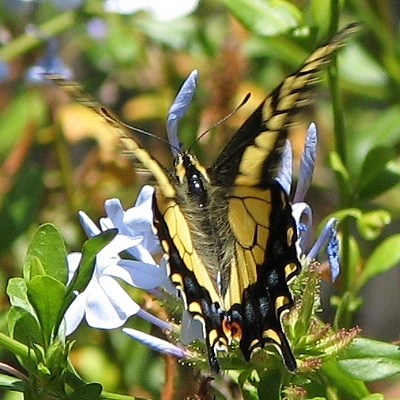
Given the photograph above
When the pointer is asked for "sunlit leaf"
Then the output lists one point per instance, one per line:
(11, 383)
(385, 256)
(371, 360)
(17, 293)
(46, 295)
(265, 18)
(48, 249)
(370, 224)
(343, 381)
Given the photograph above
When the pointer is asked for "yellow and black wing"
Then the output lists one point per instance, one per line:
(242, 292)
(255, 291)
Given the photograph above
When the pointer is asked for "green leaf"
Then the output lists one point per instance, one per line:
(46, 255)
(383, 258)
(371, 360)
(21, 204)
(361, 70)
(321, 14)
(249, 391)
(24, 327)
(86, 266)
(383, 131)
(380, 172)
(385, 181)
(177, 34)
(91, 391)
(374, 164)
(338, 378)
(46, 295)
(11, 383)
(374, 396)
(27, 108)
(270, 385)
(265, 18)
(17, 293)
(370, 224)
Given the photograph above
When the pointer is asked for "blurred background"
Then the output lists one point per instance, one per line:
(132, 56)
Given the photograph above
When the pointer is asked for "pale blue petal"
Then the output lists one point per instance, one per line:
(88, 225)
(108, 306)
(329, 236)
(307, 164)
(117, 245)
(73, 260)
(114, 212)
(155, 343)
(75, 313)
(154, 320)
(303, 217)
(178, 109)
(138, 274)
(145, 196)
(286, 168)
(192, 329)
(332, 249)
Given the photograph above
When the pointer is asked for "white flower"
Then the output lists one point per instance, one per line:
(162, 10)
(104, 303)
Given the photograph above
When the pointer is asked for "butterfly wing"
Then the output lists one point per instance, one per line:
(259, 213)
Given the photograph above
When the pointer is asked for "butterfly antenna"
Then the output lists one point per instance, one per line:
(106, 114)
(240, 105)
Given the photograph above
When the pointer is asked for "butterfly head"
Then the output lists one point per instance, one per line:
(193, 176)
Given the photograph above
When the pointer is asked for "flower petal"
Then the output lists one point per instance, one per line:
(108, 306)
(155, 343)
(328, 235)
(138, 274)
(192, 329)
(88, 225)
(179, 107)
(75, 313)
(145, 196)
(154, 320)
(307, 164)
(302, 215)
(286, 169)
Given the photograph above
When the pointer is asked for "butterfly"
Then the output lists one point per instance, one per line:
(228, 229)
